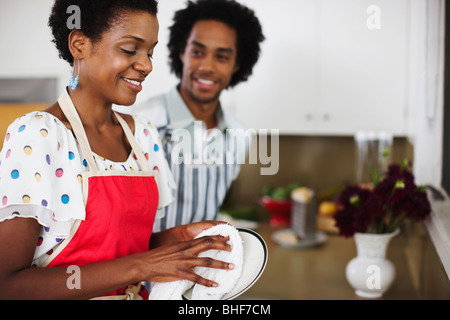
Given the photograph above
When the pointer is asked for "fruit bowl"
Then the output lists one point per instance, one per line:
(279, 210)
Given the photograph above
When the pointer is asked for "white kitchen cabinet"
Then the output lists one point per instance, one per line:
(27, 48)
(322, 71)
(329, 67)
(281, 93)
(362, 66)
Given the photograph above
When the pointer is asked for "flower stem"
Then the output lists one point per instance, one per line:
(396, 222)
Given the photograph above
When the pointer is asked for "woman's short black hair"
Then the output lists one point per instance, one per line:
(95, 17)
(233, 14)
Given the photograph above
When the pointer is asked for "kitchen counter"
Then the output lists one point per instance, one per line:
(318, 273)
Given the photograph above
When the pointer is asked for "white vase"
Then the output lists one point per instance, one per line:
(370, 273)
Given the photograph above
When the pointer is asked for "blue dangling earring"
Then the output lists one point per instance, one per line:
(74, 83)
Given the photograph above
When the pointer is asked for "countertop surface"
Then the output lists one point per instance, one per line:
(318, 273)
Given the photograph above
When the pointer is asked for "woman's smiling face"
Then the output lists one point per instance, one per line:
(114, 67)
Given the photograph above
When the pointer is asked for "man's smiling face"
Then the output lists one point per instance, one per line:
(209, 61)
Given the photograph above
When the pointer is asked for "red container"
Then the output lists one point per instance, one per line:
(279, 209)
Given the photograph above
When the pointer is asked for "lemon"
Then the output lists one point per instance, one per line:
(327, 208)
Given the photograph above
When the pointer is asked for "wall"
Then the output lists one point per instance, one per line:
(317, 162)
(27, 50)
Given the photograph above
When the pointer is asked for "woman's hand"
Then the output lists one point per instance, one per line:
(176, 261)
(180, 233)
(190, 231)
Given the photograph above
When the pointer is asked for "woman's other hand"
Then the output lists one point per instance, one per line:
(176, 261)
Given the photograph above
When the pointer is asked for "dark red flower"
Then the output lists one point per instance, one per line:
(349, 217)
(394, 197)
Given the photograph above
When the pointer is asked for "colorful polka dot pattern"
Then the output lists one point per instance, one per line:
(28, 151)
(41, 166)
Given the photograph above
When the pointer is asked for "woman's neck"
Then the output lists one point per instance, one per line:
(93, 111)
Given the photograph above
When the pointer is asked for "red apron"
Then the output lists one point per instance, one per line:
(120, 209)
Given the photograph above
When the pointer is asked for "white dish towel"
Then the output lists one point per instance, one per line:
(226, 279)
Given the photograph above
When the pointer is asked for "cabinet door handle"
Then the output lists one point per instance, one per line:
(326, 116)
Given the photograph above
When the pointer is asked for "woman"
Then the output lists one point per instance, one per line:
(84, 182)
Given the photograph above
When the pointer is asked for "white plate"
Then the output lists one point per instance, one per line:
(255, 260)
(288, 239)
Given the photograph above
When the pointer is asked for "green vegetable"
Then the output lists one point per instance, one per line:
(280, 193)
(267, 190)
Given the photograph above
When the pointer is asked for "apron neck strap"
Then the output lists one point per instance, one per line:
(69, 110)
(71, 114)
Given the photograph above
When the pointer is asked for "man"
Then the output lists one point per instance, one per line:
(213, 45)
